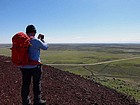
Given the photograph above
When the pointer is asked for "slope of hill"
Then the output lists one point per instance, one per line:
(58, 88)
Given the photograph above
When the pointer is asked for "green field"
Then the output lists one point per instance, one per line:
(124, 76)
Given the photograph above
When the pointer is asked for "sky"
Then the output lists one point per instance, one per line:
(73, 21)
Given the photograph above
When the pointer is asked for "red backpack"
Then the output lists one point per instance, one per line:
(20, 44)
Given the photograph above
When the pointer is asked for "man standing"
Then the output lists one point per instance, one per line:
(33, 71)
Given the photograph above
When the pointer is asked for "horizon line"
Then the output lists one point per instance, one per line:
(90, 43)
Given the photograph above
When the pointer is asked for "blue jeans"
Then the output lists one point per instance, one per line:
(27, 75)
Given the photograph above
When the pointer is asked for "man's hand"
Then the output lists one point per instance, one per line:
(41, 37)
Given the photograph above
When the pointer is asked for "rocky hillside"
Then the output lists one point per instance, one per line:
(58, 88)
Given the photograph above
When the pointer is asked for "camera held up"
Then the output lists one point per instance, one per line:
(41, 37)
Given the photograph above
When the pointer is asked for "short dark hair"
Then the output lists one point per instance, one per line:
(30, 29)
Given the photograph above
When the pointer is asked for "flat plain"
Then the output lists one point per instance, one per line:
(121, 75)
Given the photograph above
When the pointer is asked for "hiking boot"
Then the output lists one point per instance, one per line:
(28, 102)
(40, 102)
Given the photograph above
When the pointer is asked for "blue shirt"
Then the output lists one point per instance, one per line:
(34, 51)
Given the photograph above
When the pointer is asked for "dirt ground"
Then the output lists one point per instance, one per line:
(58, 88)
